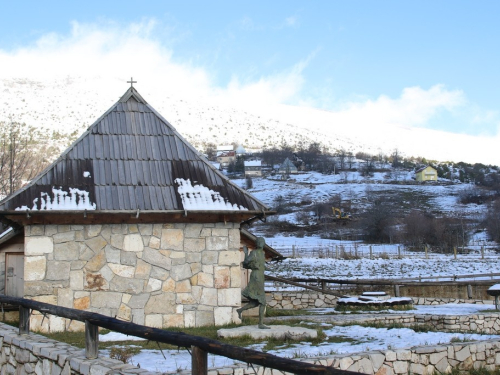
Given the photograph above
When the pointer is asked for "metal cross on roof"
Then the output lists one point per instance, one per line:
(131, 82)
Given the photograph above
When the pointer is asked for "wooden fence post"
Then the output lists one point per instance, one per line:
(91, 340)
(469, 291)
(426, 253)
(199, 361)
(24, 320)
(455, 251)
(396, 291)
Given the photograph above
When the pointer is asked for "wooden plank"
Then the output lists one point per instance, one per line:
(99, 153)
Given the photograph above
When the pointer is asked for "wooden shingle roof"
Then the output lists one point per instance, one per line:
(131, 159)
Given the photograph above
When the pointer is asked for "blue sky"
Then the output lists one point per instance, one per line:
(333, 55)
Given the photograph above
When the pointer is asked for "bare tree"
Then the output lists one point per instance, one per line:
(24, 152)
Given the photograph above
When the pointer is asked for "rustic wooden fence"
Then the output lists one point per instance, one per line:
(334, 286)
(199, 346)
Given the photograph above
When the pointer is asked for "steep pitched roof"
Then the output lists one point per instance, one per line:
(131, 158)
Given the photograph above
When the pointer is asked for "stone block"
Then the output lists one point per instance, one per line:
(154, 320)
(365, 366)
(142, 269)
(209, 297)
(204, 318)
(168, 285)
(181, 272)
(172, 239)
(229, 258)
(463, 354)
(58, 270)
(173, 320)
(82, 303)
(38, 246)
(138, 301)
(234, 239)
(183, 286)
(417, 369)
(126, 285)
(189, 318)
(209, 257)
(184, 299)
(160, 304)
(92, 230)
(68, 250)
(133, 242)
(222, 277)
(35, 268)
(217, 243)
(64, 237)
(229, 297)
(154, 243)
(434, 358)
(159, 273)
(400, 367)
(377, 360)
(390, 356)
(194, 244)
(97, 261)
(65, 297)
(121, 270)
(193, 230)
(96, 244)
(153, 285)
(112, 254)
(124, 313)
(128, 258)
(155, 258)
(145, 229)
(105, 299)
(223, 315)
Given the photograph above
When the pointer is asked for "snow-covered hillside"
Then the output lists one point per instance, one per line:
(73, 103)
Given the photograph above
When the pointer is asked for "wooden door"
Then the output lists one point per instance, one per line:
(14, 274)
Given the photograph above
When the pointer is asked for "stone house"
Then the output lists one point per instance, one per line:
(130, 221)
(225, 158)
(253, 168)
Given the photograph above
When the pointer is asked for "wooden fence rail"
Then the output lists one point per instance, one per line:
(200, 346)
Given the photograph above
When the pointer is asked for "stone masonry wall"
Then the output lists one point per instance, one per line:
(311, 300)
(423, 360)
(158, 275)
(35, 354)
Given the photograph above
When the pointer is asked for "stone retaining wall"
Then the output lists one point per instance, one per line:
(159, 275)
(35, 354)
(424, 360)
(310, 300)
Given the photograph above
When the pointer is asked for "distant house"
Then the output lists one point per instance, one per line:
(131, 222)
(253, 168)
(427, 173)
(287, 167)
(224, 148)
(225, 158)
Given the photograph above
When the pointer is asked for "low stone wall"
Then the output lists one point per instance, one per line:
(35, 354)
(311, 300)
(483, 323)
(423, 360)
